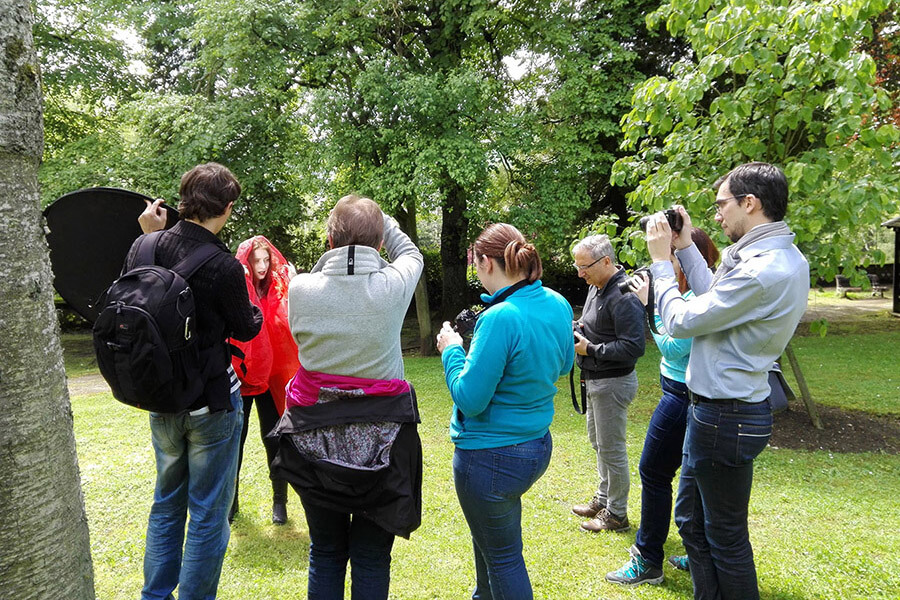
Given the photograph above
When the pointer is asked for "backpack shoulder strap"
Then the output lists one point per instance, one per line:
(196, 259)
(146, 250)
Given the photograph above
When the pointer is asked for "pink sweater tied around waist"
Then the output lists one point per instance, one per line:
(305, 386)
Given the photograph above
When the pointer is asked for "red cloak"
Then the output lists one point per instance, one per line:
(270, 359)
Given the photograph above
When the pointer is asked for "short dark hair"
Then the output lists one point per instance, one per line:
(206, 191)
(766, 182)
(355, 221)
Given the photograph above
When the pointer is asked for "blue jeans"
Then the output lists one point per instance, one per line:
(336, 537)
(489, 485)
(196, 461)
(720, 443)
(660, 460)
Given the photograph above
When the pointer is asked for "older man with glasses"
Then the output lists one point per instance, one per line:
(609, 339)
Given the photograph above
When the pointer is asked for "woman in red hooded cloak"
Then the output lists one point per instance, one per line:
(270, 359)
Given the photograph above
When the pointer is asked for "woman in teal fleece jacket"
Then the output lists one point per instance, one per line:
(503, 402)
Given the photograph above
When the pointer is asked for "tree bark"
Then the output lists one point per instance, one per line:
(454, 234)
(44, 546)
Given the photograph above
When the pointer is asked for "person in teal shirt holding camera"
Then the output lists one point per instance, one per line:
(502, 394)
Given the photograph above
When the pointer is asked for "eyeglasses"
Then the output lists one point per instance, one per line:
(719, 203)
(586, 267)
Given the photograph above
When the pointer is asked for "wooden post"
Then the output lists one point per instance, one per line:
(896, 267)
(804, 389)
(895, 225)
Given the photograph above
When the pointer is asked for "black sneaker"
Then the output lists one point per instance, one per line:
(635, 572)
(680, 562)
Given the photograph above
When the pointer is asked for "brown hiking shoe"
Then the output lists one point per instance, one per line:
(589, 510)
(606, 521)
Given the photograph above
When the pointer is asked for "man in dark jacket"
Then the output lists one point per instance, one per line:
(196, 450)
(609, 339)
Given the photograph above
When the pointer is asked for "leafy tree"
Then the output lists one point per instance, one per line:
(404, 100)
(582, 69)
(43, 528)
(781, 82)
(884, 48)
(85, 79)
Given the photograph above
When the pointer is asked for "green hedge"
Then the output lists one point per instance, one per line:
(558, 275)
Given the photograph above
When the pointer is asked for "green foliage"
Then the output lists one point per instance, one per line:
(558, 159)
(780, 82)
(819, 327)
(84, 70)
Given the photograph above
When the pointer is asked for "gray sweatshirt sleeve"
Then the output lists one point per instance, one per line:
(406, 260)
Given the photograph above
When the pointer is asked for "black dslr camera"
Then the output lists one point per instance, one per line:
(625, 285)
(672, 216)
(464, 322)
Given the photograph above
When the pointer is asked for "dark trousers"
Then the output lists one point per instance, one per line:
(268, 418)
(660, 460)
(335, 538)
(720, 443)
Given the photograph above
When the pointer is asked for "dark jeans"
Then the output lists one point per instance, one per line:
(268, 418)
(720, 443)
(490, 484)
(659, 463)
(336, 537)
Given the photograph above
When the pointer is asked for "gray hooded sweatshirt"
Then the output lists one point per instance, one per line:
(349, 324)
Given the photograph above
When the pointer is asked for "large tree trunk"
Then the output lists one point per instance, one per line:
(406, 217)
(454, 234)
(44, 547)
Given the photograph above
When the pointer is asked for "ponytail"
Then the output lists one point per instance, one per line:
(522, 257)
(507, 245)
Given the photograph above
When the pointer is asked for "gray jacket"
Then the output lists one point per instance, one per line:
(349, 324)
(741, 324)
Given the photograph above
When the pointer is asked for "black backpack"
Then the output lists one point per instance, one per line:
(145, 337)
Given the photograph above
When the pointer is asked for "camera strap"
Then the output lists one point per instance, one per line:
(351, 258)
(583, 392)
(507, 293)
(651, 306)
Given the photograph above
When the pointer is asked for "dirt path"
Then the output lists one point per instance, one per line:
(87, 385)
(846, 309)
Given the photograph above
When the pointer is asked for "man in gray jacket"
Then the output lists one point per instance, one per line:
(741, 319)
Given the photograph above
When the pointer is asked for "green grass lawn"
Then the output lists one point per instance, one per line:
(854, 370)
(823, 525)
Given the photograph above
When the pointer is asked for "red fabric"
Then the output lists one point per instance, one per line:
(271, 357)
(303, 390)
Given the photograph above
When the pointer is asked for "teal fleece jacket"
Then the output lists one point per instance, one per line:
(503, 389)
(675, 351)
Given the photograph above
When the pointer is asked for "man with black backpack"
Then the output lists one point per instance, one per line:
(196, 448)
